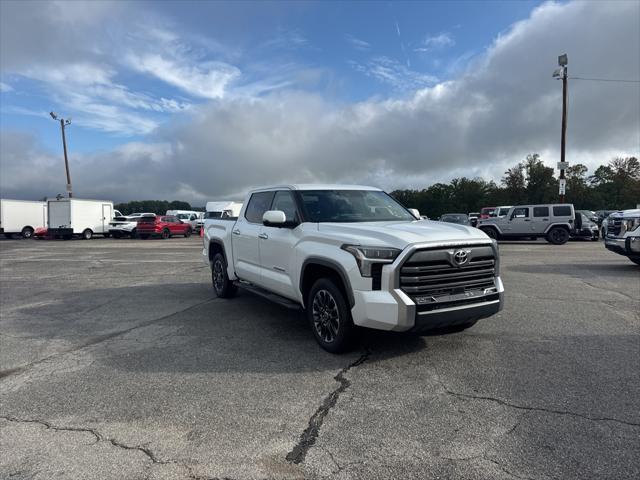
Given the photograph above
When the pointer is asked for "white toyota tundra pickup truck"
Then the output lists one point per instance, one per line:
(353, 256)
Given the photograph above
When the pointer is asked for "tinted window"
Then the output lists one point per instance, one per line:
(562, 211)
(258, 204)
(540, 211)
(520, 212)
(284, 201)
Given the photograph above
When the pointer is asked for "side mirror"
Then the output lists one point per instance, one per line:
(415, 213)
(274, 218)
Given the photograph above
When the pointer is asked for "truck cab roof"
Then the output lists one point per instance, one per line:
(315, 186)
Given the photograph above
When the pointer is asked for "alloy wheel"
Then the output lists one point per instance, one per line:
(326, 317)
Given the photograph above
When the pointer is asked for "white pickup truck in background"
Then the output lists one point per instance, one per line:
(353, 256)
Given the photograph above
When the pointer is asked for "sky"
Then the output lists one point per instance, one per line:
(203, 100)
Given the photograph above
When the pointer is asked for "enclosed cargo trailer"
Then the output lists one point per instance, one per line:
(74, 216)
(22, 217)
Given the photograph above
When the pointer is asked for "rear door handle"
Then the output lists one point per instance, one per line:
(235, 231)
(527, 220)
(263, 236)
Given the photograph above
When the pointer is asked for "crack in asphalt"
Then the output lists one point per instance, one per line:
(99, 437)
(310, 434)
(96, 340)
(538, 409)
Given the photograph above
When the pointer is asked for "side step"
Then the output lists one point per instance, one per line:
(274, 297)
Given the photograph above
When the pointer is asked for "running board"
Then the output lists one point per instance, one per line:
(274, 297)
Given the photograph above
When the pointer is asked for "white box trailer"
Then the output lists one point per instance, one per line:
(22, 217)
(75, 216)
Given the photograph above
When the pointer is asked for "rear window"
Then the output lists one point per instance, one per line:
(146, 219)
(540, 211)
(258, 204)
(562, 211)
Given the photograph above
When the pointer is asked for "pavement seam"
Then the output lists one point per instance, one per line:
(310, 434)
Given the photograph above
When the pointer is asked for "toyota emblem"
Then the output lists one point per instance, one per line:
(460, 257)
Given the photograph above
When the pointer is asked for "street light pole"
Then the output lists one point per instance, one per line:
(564, 128)
(63, 124)
(562, 71)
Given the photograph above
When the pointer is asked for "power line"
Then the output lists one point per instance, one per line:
(617, 80)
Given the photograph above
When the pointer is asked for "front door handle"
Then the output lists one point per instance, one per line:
(235, 231)
(264, 236)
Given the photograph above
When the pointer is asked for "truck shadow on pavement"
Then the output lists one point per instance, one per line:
(184, 328)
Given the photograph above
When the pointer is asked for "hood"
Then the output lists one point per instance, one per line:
(632, 213)
(401, 234)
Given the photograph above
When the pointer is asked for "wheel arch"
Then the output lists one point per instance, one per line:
(314, 268)
(557, 224)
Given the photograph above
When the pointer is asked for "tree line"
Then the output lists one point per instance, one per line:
(611, 187)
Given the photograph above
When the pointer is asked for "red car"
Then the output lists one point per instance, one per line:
(487, 212)
(162, 225)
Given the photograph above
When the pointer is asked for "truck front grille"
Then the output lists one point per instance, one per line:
(434, 279)
(614, 228)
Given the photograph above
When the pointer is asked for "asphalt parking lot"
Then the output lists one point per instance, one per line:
(118, 363)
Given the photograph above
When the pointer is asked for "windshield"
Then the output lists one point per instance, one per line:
(454, 218)
(352, 206)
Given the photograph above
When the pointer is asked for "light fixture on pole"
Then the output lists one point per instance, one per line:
(561, 72)
(63, 124)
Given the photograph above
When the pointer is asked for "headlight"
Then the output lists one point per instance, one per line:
(630, 224)
(367, 256)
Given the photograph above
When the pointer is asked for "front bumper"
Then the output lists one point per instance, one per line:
(629, 246)
(390, 308)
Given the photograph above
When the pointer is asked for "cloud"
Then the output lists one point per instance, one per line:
(5, 87)
(394, 73)
(205, 79)
(503, 106)
(431, 43)
(357, 43)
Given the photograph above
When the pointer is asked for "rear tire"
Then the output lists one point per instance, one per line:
(558, 236)
(133, 233)
(329, 316)
(490, 232)
(165, 234)
(87, 234)
(27, 232)
(222, 286)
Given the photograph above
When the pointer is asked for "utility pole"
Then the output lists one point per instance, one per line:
(63, 124)
(562, 73)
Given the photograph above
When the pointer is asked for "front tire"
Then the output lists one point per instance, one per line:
(558, 236)
(143, 236)
(329, 316)
(490, 232)
(635, 260)
(87, 234)
(187, 234)
(27, 232)
(222, 286)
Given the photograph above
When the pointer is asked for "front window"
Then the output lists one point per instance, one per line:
(352, 206)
